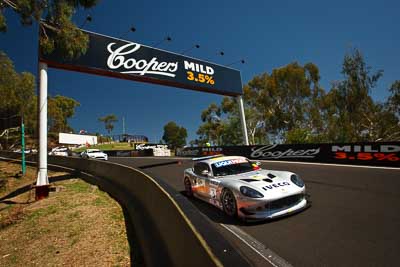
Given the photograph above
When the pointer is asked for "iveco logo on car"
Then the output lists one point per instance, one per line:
(272, 186)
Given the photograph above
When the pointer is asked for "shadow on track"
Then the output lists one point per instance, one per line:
(218, 216)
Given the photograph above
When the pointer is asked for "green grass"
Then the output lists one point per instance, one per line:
(114, 146)
(78, 187)
(42, 212)
(78, 219)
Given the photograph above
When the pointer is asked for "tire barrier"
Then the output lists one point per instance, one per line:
(372, 154)
(165, 235)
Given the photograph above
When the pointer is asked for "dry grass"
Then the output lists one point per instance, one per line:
(77, 226)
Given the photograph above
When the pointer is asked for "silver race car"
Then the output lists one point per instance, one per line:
(241, 188)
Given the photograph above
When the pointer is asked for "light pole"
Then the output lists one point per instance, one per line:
(243, 120)
(23, 166)
(42, 182)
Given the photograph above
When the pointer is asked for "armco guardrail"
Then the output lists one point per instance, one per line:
(375, 154)
(165, 235)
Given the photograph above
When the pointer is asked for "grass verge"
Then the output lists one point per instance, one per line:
(77, 225)
(113, 146)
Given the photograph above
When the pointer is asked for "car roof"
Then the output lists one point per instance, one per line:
(222, 158)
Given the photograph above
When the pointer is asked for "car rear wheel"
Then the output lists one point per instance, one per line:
(229, 203)
(188, 187)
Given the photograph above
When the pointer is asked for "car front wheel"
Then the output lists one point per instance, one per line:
(229, 203)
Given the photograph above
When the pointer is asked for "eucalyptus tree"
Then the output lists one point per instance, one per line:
(54, 17)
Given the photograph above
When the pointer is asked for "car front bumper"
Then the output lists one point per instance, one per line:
(263, 211)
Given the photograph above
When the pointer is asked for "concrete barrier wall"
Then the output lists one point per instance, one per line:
(164, 234)
(363, 153)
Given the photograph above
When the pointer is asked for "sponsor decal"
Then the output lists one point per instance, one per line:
(366, 148)
(210, 151)
(229, 162)
(267, 152)
(371, 154)
(366, 152)
(199, 73)
(108, 56)
(364, 156)
(122, 57)
(145, 147)
(190, 152)
(277, 185)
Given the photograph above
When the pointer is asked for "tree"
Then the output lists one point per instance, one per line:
(394, 98)
(17, 96)
(350, 106)
(289, 99)
(212, 128)
(289, 105)
(174, 135)
(60, 109)
(383, 122)
(109, 122)
(56, 27)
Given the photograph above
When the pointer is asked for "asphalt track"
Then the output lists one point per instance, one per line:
(354, 219)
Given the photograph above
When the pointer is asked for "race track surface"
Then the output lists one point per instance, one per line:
(354, 219)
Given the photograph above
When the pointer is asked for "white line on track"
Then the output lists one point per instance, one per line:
(266, 253)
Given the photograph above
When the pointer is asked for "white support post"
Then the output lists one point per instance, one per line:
(243, 120)
(42, 179)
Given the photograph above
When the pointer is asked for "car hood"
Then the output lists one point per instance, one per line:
(272, 184)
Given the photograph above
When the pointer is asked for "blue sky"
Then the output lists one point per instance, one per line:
(267, 34)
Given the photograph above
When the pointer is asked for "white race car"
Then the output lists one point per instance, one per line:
(94, 154)
(241, 188)
(60, 151)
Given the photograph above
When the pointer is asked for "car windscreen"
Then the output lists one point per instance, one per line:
(230, 167)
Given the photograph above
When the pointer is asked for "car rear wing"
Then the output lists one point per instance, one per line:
(208, 157)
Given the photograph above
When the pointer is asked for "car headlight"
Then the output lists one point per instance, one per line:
(250, 192)
(297, 180)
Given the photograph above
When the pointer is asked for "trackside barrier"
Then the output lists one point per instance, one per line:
(371, 154)
(165, 235)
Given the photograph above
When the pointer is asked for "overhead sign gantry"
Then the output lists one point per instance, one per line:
(118, 58)
(112, 57)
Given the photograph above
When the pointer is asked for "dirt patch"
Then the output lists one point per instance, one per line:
(78, 225)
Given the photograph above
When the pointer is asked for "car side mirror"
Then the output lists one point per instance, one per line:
(205, 173)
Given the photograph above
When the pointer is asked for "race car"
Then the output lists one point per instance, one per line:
(60, 151)
(94, 154)
(241, 188)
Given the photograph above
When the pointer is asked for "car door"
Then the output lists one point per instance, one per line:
(201, 179)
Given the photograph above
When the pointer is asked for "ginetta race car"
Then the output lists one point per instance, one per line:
(241, 188)
(94, 154)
